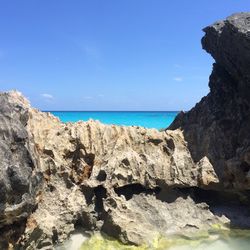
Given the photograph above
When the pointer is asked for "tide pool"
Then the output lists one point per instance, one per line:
(148, 119)
(221, 240)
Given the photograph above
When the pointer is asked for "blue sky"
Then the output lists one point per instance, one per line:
(108, 54)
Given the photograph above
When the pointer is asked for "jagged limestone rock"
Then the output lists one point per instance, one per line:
(130, 182)
(19, 168)
(88, 167)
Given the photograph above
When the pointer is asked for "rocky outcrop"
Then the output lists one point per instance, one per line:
(96, 175)
(218, 127)
(19, 167)
(132, 183)
(102, 177)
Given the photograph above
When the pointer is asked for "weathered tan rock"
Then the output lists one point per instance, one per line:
(143, 218)
(92, 173)
(130, 182)
(124, 155)
(85, 165)
(102, 177)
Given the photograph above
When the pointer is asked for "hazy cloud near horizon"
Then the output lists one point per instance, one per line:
(47, 96)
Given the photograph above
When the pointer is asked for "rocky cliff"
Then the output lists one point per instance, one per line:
(132, 183)
(19, 170)
(105, 178)
(218, 127)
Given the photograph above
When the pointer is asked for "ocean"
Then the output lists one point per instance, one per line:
(148, 119)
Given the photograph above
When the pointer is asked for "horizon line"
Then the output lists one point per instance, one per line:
(112, 111)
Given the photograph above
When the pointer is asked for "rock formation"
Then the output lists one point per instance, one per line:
(104, 177)
(131, 183)
(19, 169)
(218, 127)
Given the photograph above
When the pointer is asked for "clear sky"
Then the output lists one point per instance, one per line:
(108, 54)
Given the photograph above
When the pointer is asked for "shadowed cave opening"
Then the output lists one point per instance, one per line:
(129, 190)
(231, 204)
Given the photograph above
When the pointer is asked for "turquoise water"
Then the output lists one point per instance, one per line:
(148, 119)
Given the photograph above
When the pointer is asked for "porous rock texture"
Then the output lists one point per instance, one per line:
(131, 183)
(19, 168)
(106, 177)
(93, 172)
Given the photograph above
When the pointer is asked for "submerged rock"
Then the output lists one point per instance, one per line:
(131, 183)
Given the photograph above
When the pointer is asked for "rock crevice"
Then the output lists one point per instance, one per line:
(131, 183)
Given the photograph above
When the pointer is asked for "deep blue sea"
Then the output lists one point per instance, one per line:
(148, 119)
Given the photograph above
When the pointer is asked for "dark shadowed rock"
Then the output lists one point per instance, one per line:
(18, 167)
(219, 125)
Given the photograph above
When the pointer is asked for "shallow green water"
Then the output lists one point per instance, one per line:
(221, 240)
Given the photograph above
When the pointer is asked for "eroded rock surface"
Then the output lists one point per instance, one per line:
(132, 183)
(19, 167)
(95, 176)
(92, 172)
